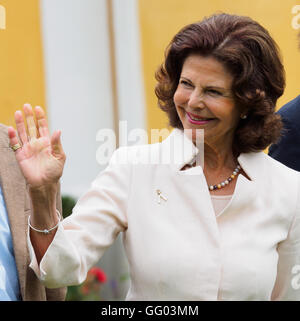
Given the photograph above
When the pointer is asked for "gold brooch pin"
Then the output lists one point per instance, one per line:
(160, 196)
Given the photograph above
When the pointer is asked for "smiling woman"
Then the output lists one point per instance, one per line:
(225, 59)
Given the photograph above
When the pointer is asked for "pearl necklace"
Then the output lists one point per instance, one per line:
(227, 181)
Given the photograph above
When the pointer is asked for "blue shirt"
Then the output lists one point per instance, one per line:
(9, 281)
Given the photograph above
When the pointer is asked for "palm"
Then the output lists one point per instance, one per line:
(41, 159)
(37, 163)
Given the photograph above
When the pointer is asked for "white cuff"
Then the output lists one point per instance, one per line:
(38, 269)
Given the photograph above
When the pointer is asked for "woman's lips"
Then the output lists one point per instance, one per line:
(200, 121)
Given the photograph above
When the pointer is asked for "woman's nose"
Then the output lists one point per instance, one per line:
(196, 99)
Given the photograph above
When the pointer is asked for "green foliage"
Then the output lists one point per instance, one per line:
(68, 202)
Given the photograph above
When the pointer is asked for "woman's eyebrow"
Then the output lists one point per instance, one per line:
(217, 87)
(185, 78)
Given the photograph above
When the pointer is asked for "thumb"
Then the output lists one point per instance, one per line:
(56, 146)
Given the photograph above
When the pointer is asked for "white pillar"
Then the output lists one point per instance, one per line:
(128, 62)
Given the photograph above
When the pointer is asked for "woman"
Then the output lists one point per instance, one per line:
(228, 230)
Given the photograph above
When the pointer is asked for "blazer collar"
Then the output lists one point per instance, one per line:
(253, 164)
(181, 151)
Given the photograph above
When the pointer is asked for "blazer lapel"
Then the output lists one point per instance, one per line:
(246, 190)
(14, 190)
(180, 150)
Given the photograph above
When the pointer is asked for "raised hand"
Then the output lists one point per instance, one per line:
(40, 157)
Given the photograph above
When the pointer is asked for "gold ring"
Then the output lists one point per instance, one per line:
(16, 147)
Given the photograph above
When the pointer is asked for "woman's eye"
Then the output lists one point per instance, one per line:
(214, 92)
(185, 83)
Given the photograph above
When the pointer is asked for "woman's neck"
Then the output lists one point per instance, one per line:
(217, 159)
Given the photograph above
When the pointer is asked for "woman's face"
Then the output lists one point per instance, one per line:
(203, 100)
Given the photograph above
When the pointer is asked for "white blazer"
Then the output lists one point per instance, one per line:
(177, 248)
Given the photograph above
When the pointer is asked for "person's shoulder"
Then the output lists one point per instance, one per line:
(291, 109)
(280, 171)
(279, 181)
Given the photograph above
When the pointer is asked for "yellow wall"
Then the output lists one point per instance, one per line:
(160, 20)
(21, 64)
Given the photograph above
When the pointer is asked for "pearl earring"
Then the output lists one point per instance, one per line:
(243, 116)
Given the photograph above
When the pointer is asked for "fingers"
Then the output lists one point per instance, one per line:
(56, 146)
(41, 121)
(13, 138)
(21, 127)
(34, 129)
(31, 126)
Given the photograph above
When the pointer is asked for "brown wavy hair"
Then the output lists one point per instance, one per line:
(249, 53)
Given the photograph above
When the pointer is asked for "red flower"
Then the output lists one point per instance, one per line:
(99, 274)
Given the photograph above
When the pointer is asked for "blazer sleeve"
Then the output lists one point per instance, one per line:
(82, 238)
(287, 285)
